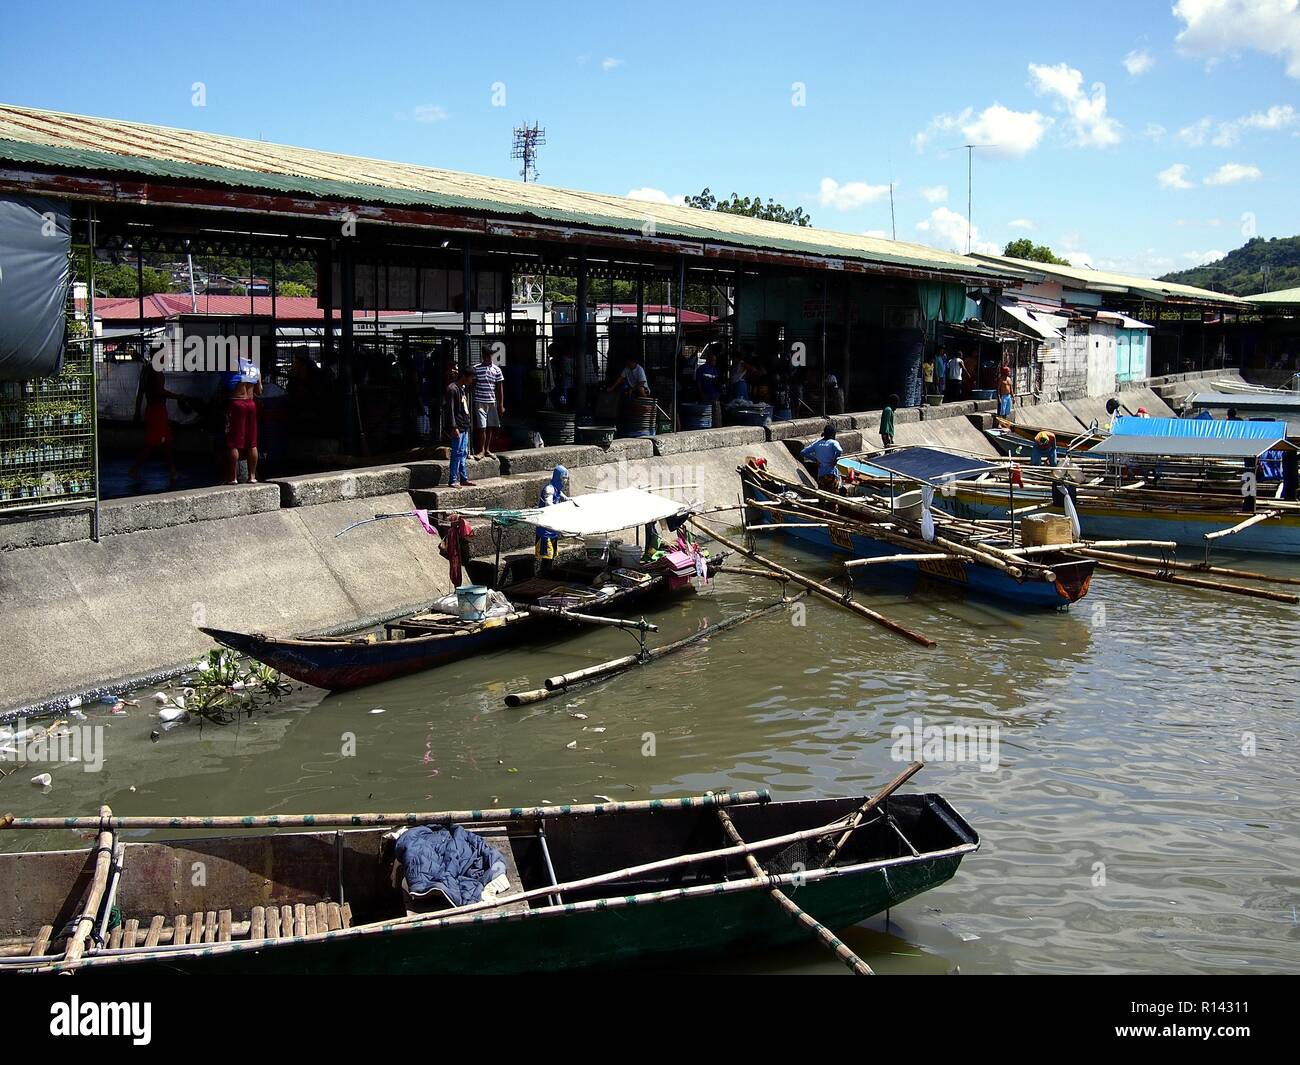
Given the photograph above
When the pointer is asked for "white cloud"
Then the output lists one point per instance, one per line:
(1231, 173)
(1195, 135)
(609, 63)
(1217, 28)
(1139, 61)
(947, 229)
(1075, 257)
(1089, 124)
(1001, 130)
(1277, 117)
(875, 233)
(650, 195)
(428, 113)
(1203, 258)
(1154, 132)
(935, 193)
(1025, 224)
(1174, 177)
(849, 196)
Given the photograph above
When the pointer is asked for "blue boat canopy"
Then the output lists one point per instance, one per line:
(926, 464)
(1193, 447)
(1198, 428)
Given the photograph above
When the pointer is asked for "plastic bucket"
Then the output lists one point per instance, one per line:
(472, 600)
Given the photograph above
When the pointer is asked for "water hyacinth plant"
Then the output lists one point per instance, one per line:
(225, 689)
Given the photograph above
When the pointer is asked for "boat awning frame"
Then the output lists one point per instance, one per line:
(1198, 428)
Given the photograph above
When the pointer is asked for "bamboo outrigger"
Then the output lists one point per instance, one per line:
(597, 885)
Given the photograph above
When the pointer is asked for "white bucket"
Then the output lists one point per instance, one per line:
(472, 600)
(628, 554)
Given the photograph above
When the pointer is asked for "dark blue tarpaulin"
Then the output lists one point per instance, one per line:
(35, 240)
(922, 464)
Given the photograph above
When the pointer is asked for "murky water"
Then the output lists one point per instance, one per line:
(1126, 827)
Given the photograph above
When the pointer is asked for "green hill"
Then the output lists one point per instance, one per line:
(1259, 265)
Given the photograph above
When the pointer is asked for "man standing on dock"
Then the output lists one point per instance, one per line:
(489, 401)
(456, 416)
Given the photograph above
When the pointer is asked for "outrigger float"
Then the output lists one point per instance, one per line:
(602, 885)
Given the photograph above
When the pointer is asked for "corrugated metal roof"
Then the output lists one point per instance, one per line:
(1104, 281)
(80, 142)
(1282, 295)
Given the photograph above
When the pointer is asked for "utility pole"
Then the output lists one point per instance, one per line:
(970, 171)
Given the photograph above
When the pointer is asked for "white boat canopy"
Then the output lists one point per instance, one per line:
(601, 512)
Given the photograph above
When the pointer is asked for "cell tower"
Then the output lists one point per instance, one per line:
(528, 287)
(527, 140)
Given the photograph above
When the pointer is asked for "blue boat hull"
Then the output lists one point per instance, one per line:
(1274, 536)
(973, 578)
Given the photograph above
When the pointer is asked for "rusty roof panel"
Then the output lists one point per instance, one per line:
(80, 142)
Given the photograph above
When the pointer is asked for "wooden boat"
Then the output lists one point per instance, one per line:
(1185, 490)
(1017, 440)
(588, 886)
(422, 641)
(978, 558)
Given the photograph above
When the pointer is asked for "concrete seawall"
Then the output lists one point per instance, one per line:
(78, 616)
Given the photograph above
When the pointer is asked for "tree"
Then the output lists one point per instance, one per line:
(119, 279)
(1024, 248)
(292, 288)
(751, 207)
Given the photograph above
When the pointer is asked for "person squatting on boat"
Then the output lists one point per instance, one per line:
(826, 452)
(552, 492)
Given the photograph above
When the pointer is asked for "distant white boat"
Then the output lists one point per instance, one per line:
(1244, 388)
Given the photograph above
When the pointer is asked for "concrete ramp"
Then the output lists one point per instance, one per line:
(1091, 409)
(79, 615)
(1144, 397)
(956, 434)
(1054, 416)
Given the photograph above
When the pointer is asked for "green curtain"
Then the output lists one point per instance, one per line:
(954, 303)
(929, 296)
(939, 300)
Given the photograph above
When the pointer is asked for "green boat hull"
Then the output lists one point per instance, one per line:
(573, 938)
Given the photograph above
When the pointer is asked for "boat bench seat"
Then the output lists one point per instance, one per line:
(219, 926)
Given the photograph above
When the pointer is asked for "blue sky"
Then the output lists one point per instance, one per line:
(1134, 136)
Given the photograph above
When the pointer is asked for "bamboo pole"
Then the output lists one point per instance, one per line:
(821, 589)
(1194, 582)
(103, 861)
(591, 619)
(560, 684)
(385, 820)
(877, 560)
(1197, 567)
(824, 935)
(1254, 519)
(875, 800)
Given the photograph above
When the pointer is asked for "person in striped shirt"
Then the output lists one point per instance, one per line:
(489, 402)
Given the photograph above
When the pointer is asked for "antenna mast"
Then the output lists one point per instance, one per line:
(527, 140)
